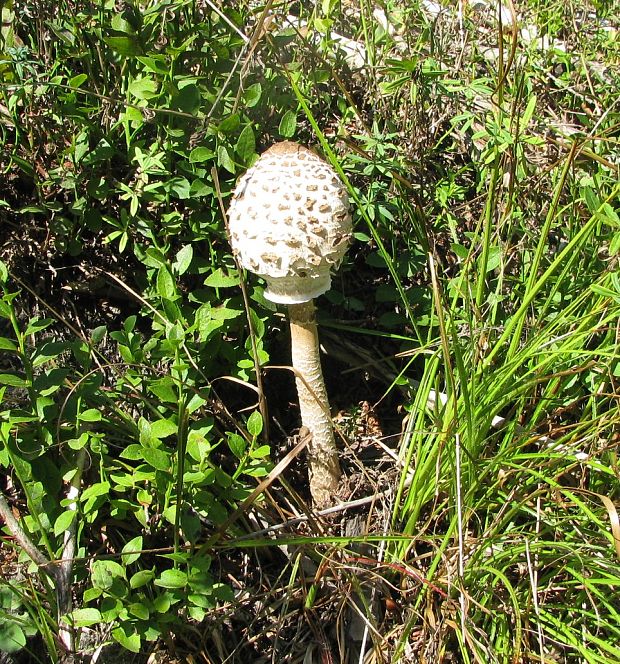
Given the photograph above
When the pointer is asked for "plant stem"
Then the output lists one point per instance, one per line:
(65, 570)
(21, 536)
(323, 465)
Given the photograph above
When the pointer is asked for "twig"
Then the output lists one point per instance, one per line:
(23, 539)
(60, 573)
(65, 570)
(303, 518)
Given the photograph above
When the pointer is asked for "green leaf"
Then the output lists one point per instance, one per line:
(102, 152)
(130, 641)
(128, 46)
(175, 334)
(203, 601)
(461, 251)
(225, 313)
(161, 604)
(223, 592)
(141, 578)
(529, 112)
(592, 200)
(166, 287)
(257, 469)
(146, 437)
(24, 165)
(172, 578)
(120, 23)
(204, 322)
(131, 550)
(183, 259)
(163, 428)
(143, 88)
(495, 258)
(180, 557)
(199, 189)
(326, 7)
(257, 324)
(111, 609)
(90, 415)
(98, 489)
(91, 594)
(224, 160)
(31, 209)
(260, 452)
(139, 610)
(12, 380)
(158, 459)
(37, 325)
(164, 389)
(230, 124)
(155, 64)
(252, 95)
(12, 637)
(153, 257)
(187, 99)
(255, 424)
(129, 323)
(179, 187)
(605, 292)
(237, 445)
(86, 617)
(4, 273)
(200, 154)
(246, 144)
(217, 279)
(48, 351)
(323, 25)
(104, 572)
(194, 478)
(132, 452)
(78, 443)
(196, 613)
(288, 124)
(77, 81)
(198, 447)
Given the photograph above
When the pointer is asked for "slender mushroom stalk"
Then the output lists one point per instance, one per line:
(313, 404)
(289, 222)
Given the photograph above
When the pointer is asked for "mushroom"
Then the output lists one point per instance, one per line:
(289, 222)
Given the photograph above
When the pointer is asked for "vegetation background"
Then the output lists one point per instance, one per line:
(151, 510)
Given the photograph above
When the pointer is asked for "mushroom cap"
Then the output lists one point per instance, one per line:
(290, 223)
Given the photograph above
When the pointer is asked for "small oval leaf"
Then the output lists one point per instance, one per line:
(288, 124)
(172, 578)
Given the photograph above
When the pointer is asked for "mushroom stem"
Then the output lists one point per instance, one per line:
(323, 465)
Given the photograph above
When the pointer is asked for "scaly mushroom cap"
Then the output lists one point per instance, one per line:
(290, 223)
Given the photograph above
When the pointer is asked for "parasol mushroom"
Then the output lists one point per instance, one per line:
(289, 223)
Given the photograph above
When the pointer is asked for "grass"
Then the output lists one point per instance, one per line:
(477, 315)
